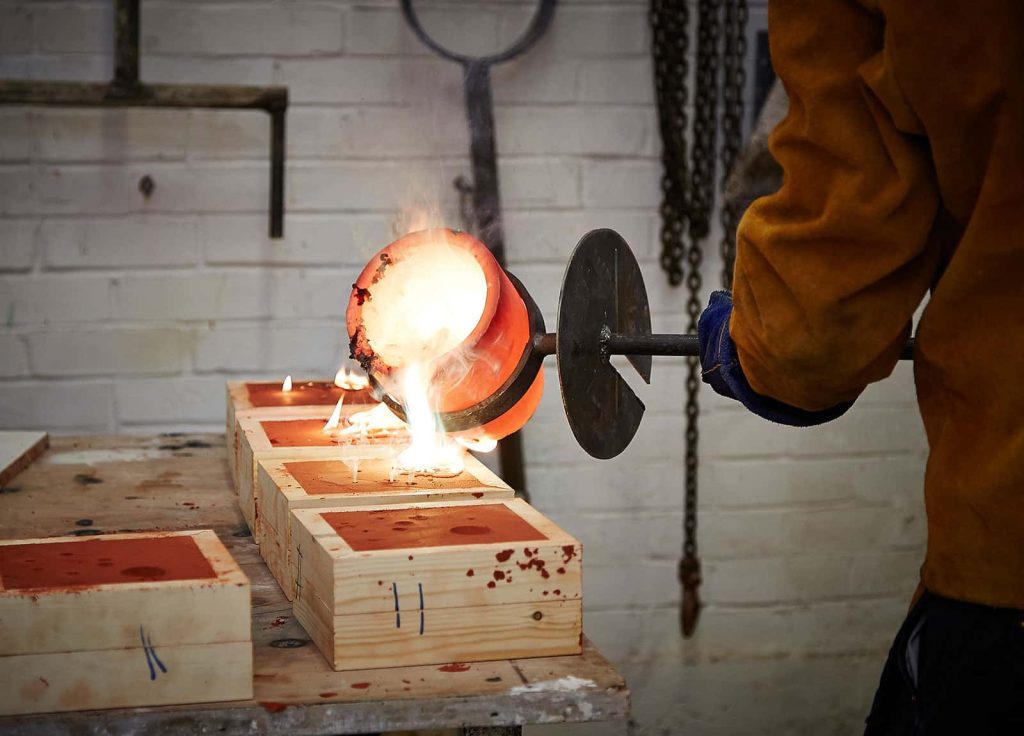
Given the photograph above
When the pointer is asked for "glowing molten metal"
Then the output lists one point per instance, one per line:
(437, 323)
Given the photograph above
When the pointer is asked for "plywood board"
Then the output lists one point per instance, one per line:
(354, 480)
(468, 561)
(320, 413)
(123, 678)
(89, 479)
(67, 594)
(18, 450)
(294, 438)
(266, 400)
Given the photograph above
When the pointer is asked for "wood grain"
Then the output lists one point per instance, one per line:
(121, 678)
(132, 483)
(279, 492)
(109, 615)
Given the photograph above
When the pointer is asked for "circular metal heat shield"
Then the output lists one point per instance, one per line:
(603, 293)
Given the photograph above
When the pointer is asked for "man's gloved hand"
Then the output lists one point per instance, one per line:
(720, 369)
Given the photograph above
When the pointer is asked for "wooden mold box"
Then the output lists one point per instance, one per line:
(432, 583)
(357, 479)
(266, 400)
(291, 437)
(122, 620)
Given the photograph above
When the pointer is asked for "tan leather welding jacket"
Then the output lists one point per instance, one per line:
(903, 153)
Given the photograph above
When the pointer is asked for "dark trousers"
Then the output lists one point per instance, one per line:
(954, 668)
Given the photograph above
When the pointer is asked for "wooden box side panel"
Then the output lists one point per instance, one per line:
(278, 493)
(113, 616)
(310, 570)
(420, 637)
(275, 554)
(124, 678)
(446, 577)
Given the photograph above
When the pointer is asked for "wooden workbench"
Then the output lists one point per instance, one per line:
(100, 484)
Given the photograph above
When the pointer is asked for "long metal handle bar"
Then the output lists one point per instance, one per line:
(662, 344)
(125, 90)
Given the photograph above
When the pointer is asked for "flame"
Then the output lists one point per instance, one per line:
(430, 451)
(379, 420)
(478, 444)
(350, 380)
(287, 385)
(335, 419)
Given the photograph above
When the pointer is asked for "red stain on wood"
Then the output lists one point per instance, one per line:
(454, 667)
(278, 622)
(568, 552)
(272, 707)
(434, 527)
(98, 561)
(297, 433)
(556, 591)
(490, 584)
(329, 695)
(470, 573)
(309, 393)
(478, 494)
(499, 575)
(560, 571)
(503, 555)
(359, 685)
(325, 477)
(536, 563)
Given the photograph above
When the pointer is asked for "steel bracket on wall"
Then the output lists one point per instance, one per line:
(125, 90)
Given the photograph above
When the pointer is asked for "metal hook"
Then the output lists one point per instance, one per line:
(538, 25)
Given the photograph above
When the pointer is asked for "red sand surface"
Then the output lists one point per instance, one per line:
(334, 476)
(309, 393)
(297, 433)
(101, 561)
(432, 527)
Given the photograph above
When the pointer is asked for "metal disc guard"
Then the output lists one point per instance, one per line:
(603, 293)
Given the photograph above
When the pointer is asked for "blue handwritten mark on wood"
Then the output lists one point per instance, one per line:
(151, 656)
(421, 609)
(398, 615)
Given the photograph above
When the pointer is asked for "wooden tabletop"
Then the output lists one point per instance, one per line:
(100, 484)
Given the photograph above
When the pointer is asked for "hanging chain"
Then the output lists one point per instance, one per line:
(670, 21)
(702, 181)
(688, 194)
(733, 79)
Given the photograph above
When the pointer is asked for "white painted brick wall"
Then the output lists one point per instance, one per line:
(122, 313)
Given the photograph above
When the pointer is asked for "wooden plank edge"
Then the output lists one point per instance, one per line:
(26, 458)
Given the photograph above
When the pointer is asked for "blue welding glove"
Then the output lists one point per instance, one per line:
(720, 369)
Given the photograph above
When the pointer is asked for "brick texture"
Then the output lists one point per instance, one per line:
(122, 312)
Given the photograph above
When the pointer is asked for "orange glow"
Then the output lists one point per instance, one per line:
(438, 299)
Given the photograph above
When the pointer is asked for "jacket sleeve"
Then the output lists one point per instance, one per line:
(830, 269)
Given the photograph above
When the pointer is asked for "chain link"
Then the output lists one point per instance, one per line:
(688, 193)
(733, 81)
(670, 21)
